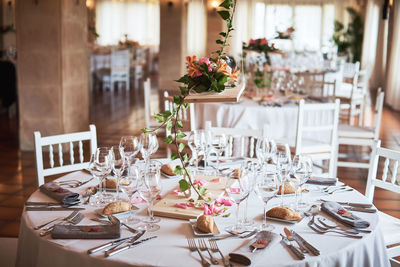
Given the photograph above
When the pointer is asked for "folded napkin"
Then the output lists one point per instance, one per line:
(244, 255)
(60, 194)
(88, 231)
(322, 181)
(336, 211)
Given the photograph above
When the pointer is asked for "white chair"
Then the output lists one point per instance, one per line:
(245, 137)
(147, 104)
(350, 69)
(390, 180)
(120, 69)
(360, 135)
(313, 83)
(317, 137)
(59, 140)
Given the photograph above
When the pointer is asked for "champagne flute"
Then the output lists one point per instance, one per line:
(196, 145)
(100, 167)
(129, 187)
(238, 190)
(253, 169)
(149, 145)
(301, 171)
(118, 163)
(219, 143)
(283, 160)
(149, 187)
(267, 187)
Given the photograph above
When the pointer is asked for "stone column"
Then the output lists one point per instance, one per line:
(173, 20)
(52, 68)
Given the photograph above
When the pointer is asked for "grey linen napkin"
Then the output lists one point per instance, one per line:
(332, 209)
(60, 194)
(110, 231)
(322, 181)
(244, 255)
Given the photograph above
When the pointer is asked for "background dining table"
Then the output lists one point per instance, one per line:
(171, 248)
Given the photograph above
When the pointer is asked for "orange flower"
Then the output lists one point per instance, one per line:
(235, 74)
(225, 69)
(194, 69)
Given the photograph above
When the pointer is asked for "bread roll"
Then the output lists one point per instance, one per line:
(284, 213)
(116, 207)
(288, 189)
(238, 171)
(111, 183)
(168, 169)
(205, 223)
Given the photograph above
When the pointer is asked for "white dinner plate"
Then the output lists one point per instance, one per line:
(197, 232)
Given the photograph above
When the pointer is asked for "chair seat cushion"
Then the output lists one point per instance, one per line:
(345, 130)
(309, 146)
(390, 227)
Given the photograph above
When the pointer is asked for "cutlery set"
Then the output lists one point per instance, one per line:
(212, 248)
(244, 234)
(321, 229)
(336, 189)
(352, 206)
(74, 218)
(73, 183)
(302, 247)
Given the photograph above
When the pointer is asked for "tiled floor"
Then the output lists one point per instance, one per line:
(120, 114)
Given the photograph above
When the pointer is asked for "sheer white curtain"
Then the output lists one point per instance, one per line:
(312, 20)
(196, 28)
(370, 34)
(393, 77)
(140, 20)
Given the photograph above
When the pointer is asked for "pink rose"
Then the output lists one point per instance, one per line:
(201, 182)
(263, 41)
(252, 41)
(205, 60)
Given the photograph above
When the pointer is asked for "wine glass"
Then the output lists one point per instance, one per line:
(100, 167)
(219, 143)
(131, 146)
(254, 170)
(266, 188)
(237, 189)
(265, 149)
(283, 160)
(149, 187)
(196, 145)
(149, 145)
(128, 186)
(118, 163)
(205, 142)
(301, 169)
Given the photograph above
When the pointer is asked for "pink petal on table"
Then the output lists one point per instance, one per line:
(216, 180)
(178, 192)
(207, 210)
(235, 190)
(181, 205)
(228, 202)
(219, 200)
(201, 182)
(158, 197)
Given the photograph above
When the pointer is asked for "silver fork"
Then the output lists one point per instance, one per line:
(73, 214)
(203, 247)
(73, 220)
(193, 247)
(324, 223)
(317, 228)
(214, 248)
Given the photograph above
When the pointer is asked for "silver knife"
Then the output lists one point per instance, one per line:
(306, 244)
(128, 246)
(32, 203)
(361, 209)
(106, 245)
(295, 250)
(44, 208)
(130, 240)
(352, 204)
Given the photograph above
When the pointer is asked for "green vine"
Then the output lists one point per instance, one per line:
(205, 74)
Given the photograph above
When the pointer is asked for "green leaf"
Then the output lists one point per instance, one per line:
(185, 158)
(219, 42)
(168, 139)
(159, 118)
(179, 124)
(180, 135)
(174, 156)
(184, 90)
(226, 215)
(227, 4)
(178, 99)
(166, 114)
(168, 125)
(146, 130)
(224, 15)
(181, 147)
(222, 34)
(178, 170)
(185, 106)
(183, 185)
(202, 189)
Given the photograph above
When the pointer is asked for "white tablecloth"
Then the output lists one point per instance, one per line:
(281, 122)
(170, 248)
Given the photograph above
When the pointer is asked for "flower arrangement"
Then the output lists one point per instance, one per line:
(286, 34)
(205, 74)
(260, 45)
(128, 43)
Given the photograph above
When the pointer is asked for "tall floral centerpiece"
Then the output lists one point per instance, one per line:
(262, 46)
(204, 74)
(288, 34)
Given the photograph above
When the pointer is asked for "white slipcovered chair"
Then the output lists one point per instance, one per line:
(120, 69)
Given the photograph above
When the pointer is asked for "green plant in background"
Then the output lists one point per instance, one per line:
(349, 41)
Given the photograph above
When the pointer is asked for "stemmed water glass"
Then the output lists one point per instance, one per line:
(129, 187)
(149, 145)
(149, 187)
(237, 189)
(100, 167)
(118, 163)
(301, 170)
(219, 143)
(253, 170)
(131, 146)
(266, 188)
(283, 160)
(196, 145)
(265, 150)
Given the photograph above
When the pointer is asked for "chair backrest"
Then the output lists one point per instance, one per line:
(147, 94)
(349, 69)
(313, 83)
(390, 178)
(322, 118)
(378, 112)
(120, 62)
(246, 139)
(58, 141)
(187, 116)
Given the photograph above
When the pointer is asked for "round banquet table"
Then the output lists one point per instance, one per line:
(170, 248)
(281, 122)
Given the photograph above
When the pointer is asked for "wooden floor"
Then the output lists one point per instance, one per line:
(122, 113)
